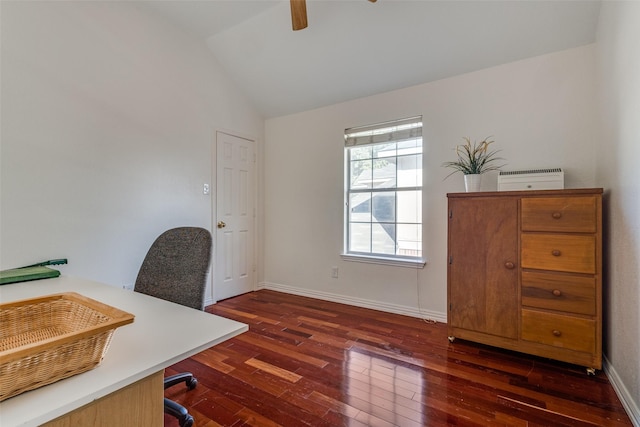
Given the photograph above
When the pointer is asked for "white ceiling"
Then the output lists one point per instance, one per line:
(355, 48)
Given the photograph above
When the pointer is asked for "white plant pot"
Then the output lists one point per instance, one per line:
(472, 182)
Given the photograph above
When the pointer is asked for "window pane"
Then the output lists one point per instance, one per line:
(384, 207)
(410, 171)
(383, 239)
(384, 150)
(410, 206)
(360, 172)
(360, 153)
(410, 240)
(359, 237)
(384, 173)
(410, 146)
(360, 207)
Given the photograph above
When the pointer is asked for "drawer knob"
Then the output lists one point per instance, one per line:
(557, 215)
(556, 333)
(555, 252)
(509, 265)
(557, 292)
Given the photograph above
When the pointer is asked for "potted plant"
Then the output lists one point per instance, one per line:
(474, 159)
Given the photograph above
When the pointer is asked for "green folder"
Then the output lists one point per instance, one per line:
(27, 273)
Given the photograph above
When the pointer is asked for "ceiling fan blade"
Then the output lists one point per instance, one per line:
(298, 14)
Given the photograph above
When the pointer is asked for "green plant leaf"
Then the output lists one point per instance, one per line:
(474, 158)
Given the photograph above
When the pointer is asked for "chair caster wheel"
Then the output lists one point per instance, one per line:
(188, 421)
(192, 383)
(591, 371)
(452, 338)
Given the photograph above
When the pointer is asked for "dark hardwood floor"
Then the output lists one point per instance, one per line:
(316, 363)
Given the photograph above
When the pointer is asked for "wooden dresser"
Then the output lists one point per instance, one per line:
(525, 272)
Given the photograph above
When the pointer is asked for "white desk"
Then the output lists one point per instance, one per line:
(162, 334)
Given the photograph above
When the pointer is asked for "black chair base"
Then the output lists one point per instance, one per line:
(175, 409)
(184, 377)
(178, 411)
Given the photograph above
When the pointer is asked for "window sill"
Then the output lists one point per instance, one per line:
(397, 262)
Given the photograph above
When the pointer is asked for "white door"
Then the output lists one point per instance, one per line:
(234, 222)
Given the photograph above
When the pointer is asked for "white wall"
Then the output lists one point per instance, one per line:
(540, 111)
(108, 120)
(618, 62)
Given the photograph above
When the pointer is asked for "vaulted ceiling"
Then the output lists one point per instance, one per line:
(355, 48)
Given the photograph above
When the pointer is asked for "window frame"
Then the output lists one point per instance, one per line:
(367, 136)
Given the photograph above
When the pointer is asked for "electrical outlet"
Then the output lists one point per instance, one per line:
(206, 189)
(334, 272)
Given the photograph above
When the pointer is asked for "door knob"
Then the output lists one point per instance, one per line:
(221, 224)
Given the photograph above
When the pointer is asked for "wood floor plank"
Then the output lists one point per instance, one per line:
(274, 370)
(321, 322)
(300, 308)
(206, 359)
(307, 362)
(250, 338)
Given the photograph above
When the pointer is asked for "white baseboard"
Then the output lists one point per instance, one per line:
(358, 302)
(624, 395)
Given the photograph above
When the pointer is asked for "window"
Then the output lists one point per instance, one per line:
(383, 217)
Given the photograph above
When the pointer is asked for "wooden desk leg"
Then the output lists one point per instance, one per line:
(140, 404)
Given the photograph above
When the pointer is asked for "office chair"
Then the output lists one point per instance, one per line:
(175, 269)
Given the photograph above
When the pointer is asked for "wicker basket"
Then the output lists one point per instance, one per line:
(46, 339)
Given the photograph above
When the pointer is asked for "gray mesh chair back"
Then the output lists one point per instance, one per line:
(175, 267)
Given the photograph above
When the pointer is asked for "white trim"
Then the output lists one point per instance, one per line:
(623, 393)
(358, 302)
(208, 300)
(398, 262)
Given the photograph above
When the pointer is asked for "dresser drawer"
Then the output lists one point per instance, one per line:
(559, 252)
(560, 331)
(559, 214)
(561, 292)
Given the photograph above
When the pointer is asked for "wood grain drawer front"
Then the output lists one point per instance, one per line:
(560, 331)
(561, 292)
(559, 252)
(559, 214)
